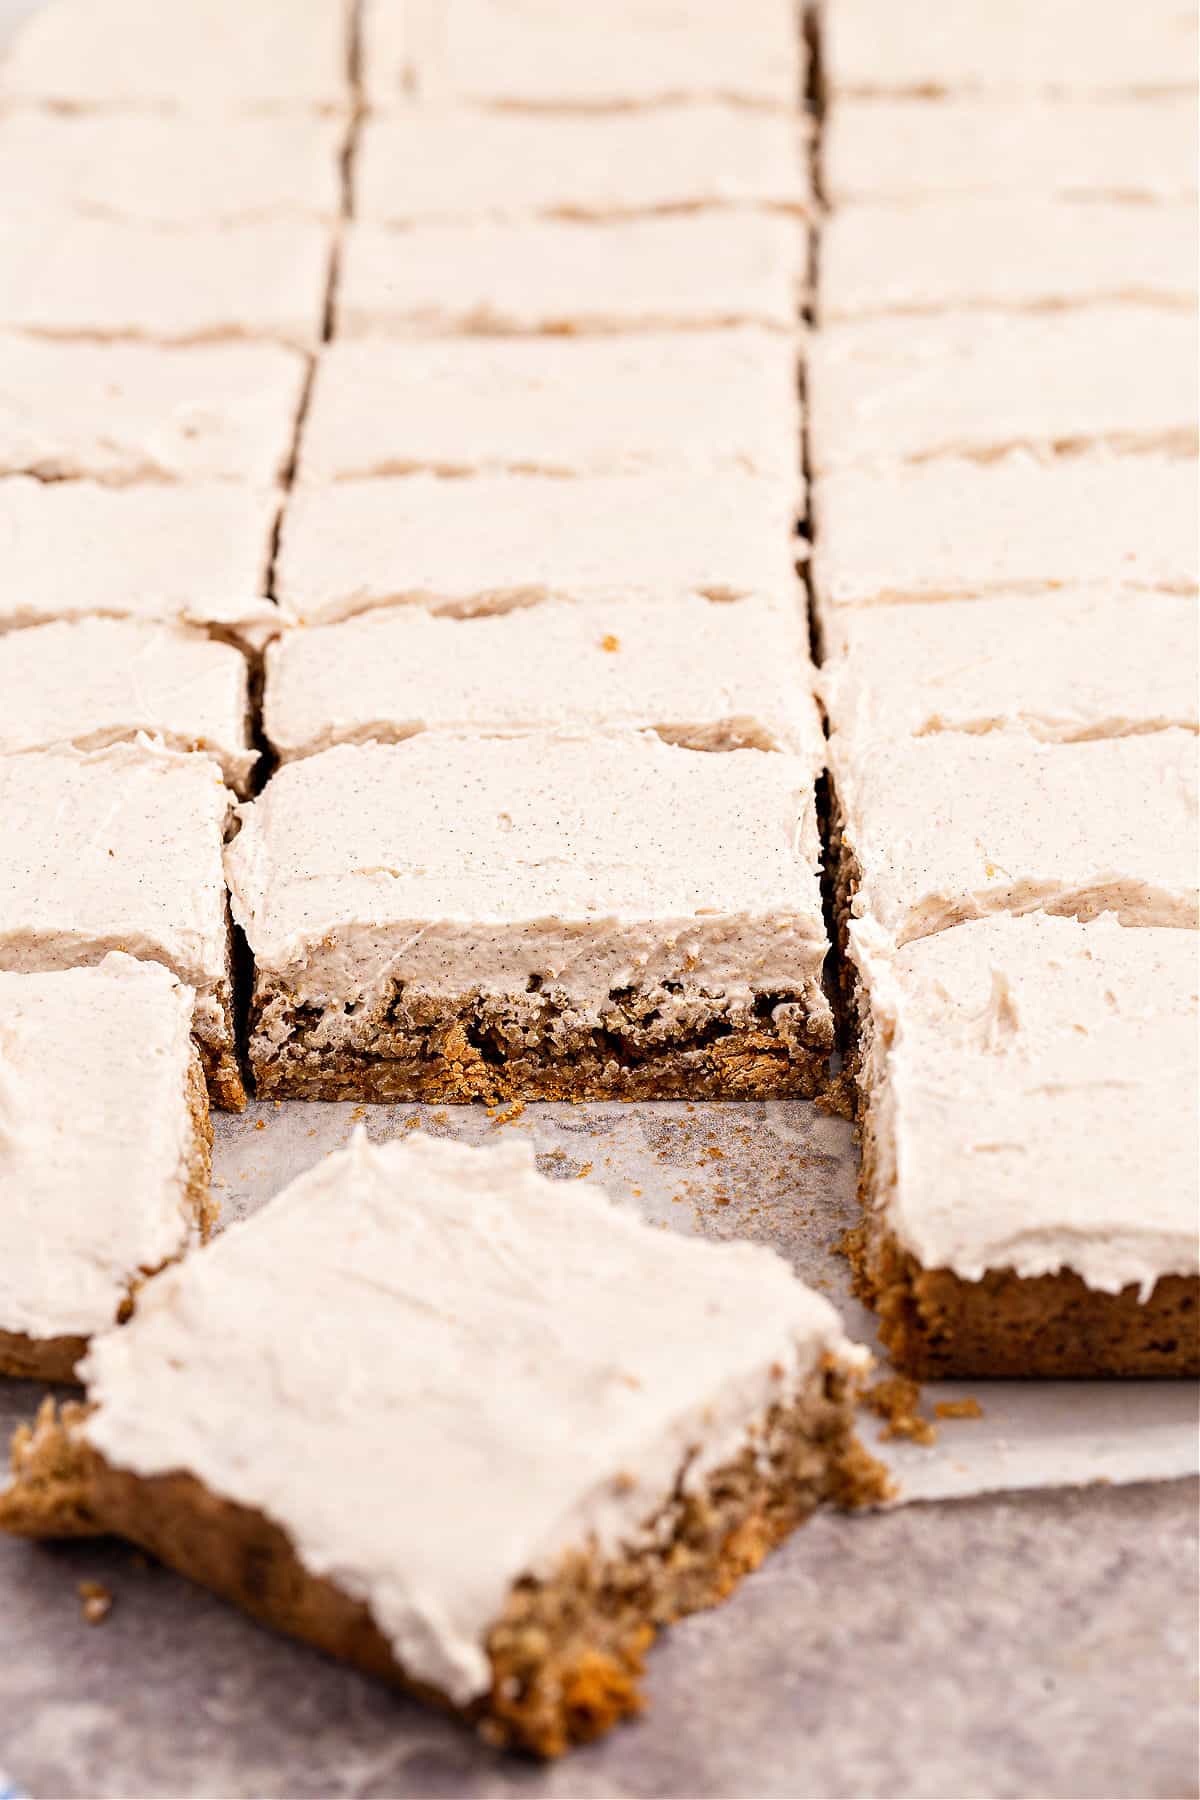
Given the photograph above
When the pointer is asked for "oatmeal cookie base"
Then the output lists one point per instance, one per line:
(638, 1045)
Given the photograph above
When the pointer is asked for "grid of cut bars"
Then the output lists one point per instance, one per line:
(432, 372)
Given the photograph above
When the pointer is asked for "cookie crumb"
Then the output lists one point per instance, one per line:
(896, 1400)
(95, 1602)
(967, 1408)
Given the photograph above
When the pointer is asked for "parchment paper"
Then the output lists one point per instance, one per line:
(781, 1173)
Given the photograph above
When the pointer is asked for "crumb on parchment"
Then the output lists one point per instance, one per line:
(966, 1408)
(896, 1400)
(95, 1602)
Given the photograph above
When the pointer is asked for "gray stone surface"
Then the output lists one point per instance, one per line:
(1032, 1645)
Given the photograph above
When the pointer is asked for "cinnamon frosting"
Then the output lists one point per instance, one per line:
(197, 553)
(956, 529)
(117, 849)
(688, 402)
(440, 163)
(709, 676)
(595, 861)
(541, 55)
(498, 542)
(1031, 1090)
(695, 271)
(214, 56)
(1110, 149)
(171, 172)
(955, 827)
(1008, 252)
(979, 384)
(94, 682)
(1026, 47)
(1080, 663)
(137, 412)
(64, 275)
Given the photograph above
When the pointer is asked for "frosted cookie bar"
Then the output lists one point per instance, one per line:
(554, 917)
(95, 682)
(205, 56)
(1029, 1156)
(135, 412)
(937, 830)
(63, 275)
(544, 56)
(500, 542)
(956, 530)
(697, 271)
(104, 1158)
(1064, 666)
(68, 549)
(570, 1504)
(906, 149)
(685, 401)
(170, 172)
(1013, 253)
(981, 384)
(1027, 47)
(454, 163)
(120, 849)
(710, 676)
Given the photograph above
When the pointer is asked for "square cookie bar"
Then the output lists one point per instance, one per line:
(1018, 254)
(137, 412)
(707, 675)
(551, 917)
(435, 163)
(587, 1474)
(95, 682)
(695, 271)
(957, 530)
(981, 384)
(104, 1158)
(937, 830)
(170, 172)
(120, 849)
(661, 401)
(71, 548)
(1029, 1151)
(63, 275)
(906, 149)
(1064, 666)
(1027, 47)
(504, 541)
(208, 56)
(541, 55)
